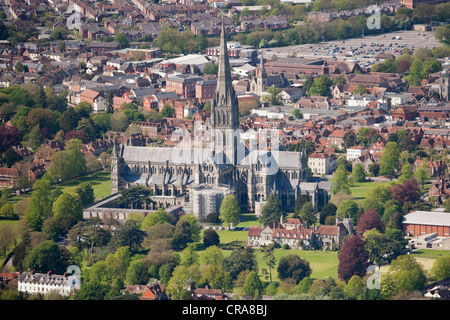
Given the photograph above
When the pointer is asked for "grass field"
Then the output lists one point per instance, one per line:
(100, 181)
(323, 264)
(360, 189)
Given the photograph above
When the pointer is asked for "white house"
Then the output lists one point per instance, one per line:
(32, 282)
(355, 152)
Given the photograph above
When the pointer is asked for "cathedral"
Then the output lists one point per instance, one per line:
(198, 179)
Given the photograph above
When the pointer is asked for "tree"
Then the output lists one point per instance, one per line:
(129, 235)
(409, 191)
(68, 164)
(273, 96)
(441, 268)
(7, 211)
(355, 289)
(360, 89)
(122, 39)
(374, 169)
(304, 285)
(119, 121)
(299, 202)
(182, 235)
(7, 237)
(210, 238)
(389, 161)
(153, 218)
(328, 210)
(406, 173)
(297, 114)
(93, 290)
(68, 204)
(383, 248)
(252, 284)
(211, 68)
(48, 256)
(352, 259)
(89, 233)
(137, 273)
(349, 139)
(135, 197)
(240, 261)
(229, 211)
(270, 259)
(86, 193)
(348, 209)
(167, 112)
(271, 211)
(293, 267)
(40, 204)
(308, 214)
(358, 173)
(422, 173)
(9, 136)
(405, 275)
(369, 220)
(321, 86)
(340, 181)
(179, 284)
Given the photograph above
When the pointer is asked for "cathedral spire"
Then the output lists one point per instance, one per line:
(225, 108)
(224, 72)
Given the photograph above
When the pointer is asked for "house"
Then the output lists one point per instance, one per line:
(31, 282)
(118, 102)
(155, 291)
(94, 98)
(7, 277)
(293, 233)
(320, 163)
(355, 152)
(205, 89)
(207, 293)
(404, 113)
(291, 95)
(8, 177)
(183, 84)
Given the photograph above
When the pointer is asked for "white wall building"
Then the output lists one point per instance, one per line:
(355, 152)
(32, 282)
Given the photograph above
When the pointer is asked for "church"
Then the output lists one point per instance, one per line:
(197, 179)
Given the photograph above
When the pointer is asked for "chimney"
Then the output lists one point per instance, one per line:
(65, 274)
(32, 272)
(49, 273)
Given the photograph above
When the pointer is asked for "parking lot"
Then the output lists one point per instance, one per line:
(362, 49)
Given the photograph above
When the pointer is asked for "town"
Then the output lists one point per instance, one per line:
(224, 150)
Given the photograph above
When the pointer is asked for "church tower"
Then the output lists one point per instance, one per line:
(225, 108)
(261, 79)
(444, 85)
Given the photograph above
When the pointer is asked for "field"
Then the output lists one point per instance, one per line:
(323, 264)
(360, 189)
(100, 181)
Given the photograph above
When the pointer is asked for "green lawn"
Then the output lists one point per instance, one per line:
(360, 189)
(430, 253)
(322, 264)
(100, 181)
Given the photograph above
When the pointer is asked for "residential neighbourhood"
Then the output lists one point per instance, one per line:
(224, 150)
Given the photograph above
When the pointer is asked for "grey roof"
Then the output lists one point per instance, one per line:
(43, 278)
(282, 159)
(428, 218)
